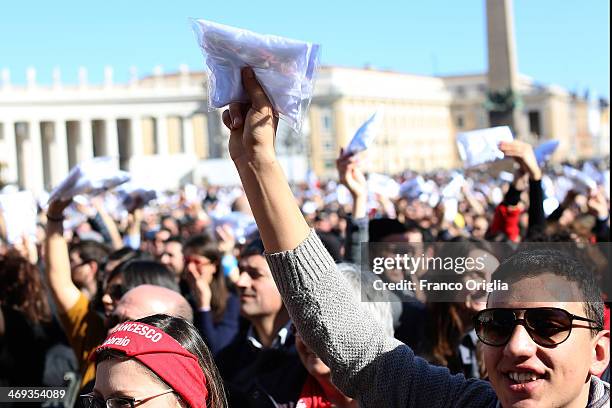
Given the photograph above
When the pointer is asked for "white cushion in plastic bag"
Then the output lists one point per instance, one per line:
(285, 68)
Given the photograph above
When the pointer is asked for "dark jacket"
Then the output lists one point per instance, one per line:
(219, 335)
(258, 377)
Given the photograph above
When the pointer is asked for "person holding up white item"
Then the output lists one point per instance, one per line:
(583, 183)
(482, 146)
(285, 68)
(544, 151)
(18, 211)
(364, 137)
(90, 178)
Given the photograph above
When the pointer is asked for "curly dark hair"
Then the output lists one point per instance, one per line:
(22, 287)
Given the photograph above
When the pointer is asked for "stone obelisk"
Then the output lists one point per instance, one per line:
(503, 102)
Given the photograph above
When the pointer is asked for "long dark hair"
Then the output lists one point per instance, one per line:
(187, 335)
(202, 245)
(22, 289)
(445, 324)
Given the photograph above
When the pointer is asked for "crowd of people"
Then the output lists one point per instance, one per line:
(253, 295)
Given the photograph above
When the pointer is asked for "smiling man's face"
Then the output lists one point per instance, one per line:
(525, 374)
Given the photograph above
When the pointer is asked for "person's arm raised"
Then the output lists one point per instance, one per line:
(374, 368)
(252, 132)
(57, 261)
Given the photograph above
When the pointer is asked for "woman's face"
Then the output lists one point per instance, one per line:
(129, 379)
(200, 266)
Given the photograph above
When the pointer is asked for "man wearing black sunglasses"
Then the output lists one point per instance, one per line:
(544, 342)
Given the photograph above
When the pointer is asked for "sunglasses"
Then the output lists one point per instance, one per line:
(91, 401)
(547, 326)
(197, 261)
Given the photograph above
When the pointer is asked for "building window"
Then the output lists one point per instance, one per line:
(460, 91)
(534, 123)
(460, 122)
(326, 120)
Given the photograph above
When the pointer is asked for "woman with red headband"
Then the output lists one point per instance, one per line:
(158, 360)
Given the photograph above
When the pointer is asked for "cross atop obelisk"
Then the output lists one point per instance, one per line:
(503, 74)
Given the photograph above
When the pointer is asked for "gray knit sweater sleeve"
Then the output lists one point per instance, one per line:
(377, 370)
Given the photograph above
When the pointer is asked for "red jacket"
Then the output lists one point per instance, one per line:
(506, 220)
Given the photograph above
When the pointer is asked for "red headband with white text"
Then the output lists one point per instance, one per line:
(164, 356)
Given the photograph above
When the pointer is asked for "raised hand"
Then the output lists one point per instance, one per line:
(227, 241)
(56, 209)
(252, 126)
(199, 283)
(598, 205)
(350, 175)
(523, 154)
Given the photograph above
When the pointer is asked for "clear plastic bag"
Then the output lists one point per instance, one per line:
(284, 67)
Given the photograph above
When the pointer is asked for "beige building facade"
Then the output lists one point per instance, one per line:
(545, 112)
(159, 127)
(416, 129)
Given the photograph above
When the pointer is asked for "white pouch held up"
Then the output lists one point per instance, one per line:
(285, 68)
(364, 137)
(91, 178)
(480, 146)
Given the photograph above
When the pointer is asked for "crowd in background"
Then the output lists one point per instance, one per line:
(195, 254)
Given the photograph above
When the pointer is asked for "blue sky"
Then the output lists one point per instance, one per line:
(562, 42)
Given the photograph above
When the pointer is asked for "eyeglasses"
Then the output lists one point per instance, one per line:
(92, 401)
(116, 292)
(547, 326)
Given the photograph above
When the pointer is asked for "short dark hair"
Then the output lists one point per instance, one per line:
(197, 242)
(253, 247)
(90, 250)
(175, 238)
(534, 262)
(138, 272)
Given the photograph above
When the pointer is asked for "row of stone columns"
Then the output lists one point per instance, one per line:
(65, 143)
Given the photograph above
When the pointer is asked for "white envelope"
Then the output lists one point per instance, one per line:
(19, 213)
(544, 151)
(451, 209)
(453, 188)
(90, 178)
(550, 204)
(481, 146)
(284, 67)
(590, 170)
(364, 137)
(582, 182)
(412, 188)
(506, 176)
(383, 185)
(562, 185)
